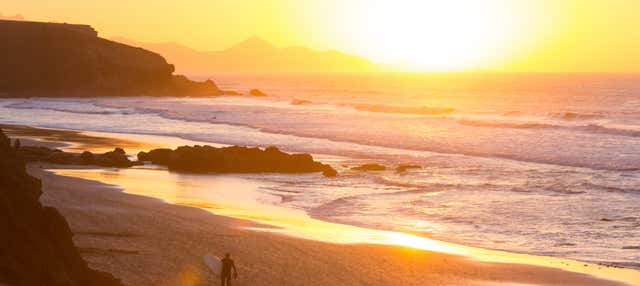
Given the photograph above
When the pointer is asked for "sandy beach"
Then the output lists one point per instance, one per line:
(319, 142)
(146, 241)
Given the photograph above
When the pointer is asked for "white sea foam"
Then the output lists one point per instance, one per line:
(522, 167)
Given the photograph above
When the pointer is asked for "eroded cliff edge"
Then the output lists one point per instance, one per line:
(56, 59)
(36, 246)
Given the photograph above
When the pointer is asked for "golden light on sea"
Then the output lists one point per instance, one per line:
(211, 192)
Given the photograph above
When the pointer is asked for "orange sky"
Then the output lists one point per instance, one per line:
(455, 35)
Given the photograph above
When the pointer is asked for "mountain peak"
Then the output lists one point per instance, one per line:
(253, 43)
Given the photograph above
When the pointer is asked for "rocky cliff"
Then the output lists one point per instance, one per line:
(35, 241)
(53, 59)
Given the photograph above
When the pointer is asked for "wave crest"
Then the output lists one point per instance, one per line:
(575, 115)
(499, 124)
(589, 128)
(421, 110)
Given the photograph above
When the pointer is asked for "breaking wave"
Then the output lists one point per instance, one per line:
(420, 110)
(589, 128)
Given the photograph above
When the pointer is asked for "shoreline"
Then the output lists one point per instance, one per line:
(499, 271)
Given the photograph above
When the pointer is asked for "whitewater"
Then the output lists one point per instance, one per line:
(534, 163)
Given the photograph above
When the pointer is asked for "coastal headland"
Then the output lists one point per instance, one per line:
(146, 241)
(60, 59)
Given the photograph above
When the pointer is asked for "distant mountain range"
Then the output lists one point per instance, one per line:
(256, 55)
(16, 17)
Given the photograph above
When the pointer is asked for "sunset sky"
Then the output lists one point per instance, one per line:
(455, 35)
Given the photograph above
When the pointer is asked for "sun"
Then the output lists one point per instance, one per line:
(436, 35)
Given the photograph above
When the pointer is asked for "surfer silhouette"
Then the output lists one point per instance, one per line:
(227, 265)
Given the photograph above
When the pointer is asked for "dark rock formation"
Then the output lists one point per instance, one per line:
(231, 92)
(183, 85)
(115, 158)
(329, 172)
(257, 92)
(300, 102)
(236, 159)
(86, 157)
(370, 167)
(35, 241)
(403, 168)
(156, 156)
(51, 59)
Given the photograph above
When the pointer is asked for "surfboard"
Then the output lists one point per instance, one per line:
(213, 263)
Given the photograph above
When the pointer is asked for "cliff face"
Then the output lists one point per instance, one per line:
(49, 59)
(35, 242)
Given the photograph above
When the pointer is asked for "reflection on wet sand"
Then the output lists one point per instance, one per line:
(240, 197)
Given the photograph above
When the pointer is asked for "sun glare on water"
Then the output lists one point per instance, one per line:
(437, 35)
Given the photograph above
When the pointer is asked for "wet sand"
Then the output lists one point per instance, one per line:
(145, 241)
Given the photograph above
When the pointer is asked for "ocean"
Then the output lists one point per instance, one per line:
(546, 164)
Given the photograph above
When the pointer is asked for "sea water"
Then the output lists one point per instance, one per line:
(546, 164)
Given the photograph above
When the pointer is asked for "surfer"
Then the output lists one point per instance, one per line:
(227, 265)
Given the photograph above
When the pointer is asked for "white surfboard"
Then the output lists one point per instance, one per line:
(213, 263)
